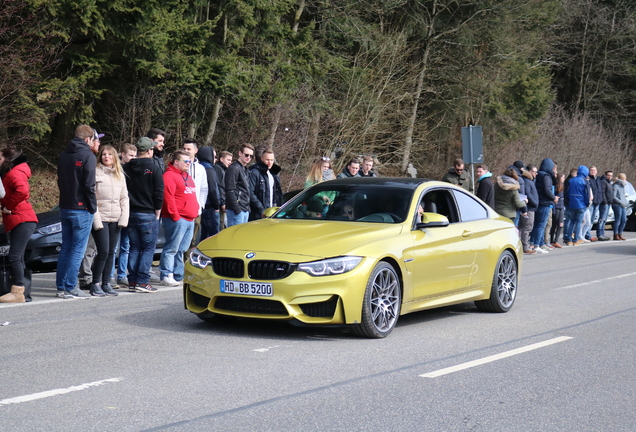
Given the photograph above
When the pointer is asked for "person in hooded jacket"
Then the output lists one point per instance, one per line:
(352, 169)
(78, 204)
(210, 216)
(180, 208)
(485, 186)
(526, 222)
(18, 218)
(577, 198)
(507, 199)
(519, 167)
(265, 184)
(557, 212)
(619, 204)
(547, 199)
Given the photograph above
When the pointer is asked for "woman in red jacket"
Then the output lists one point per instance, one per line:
(18, 217)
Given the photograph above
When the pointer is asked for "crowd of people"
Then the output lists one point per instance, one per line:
(549, 209)
(113, 204)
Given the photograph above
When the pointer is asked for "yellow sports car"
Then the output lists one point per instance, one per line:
(359, 252)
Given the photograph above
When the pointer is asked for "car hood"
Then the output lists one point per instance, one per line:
(302, 238)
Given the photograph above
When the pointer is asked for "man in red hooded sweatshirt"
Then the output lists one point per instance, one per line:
(180, 208)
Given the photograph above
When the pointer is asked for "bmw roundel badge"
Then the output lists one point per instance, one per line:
(250, 255)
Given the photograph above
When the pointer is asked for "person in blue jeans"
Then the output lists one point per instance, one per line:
(238, 192)
(578, 199)
(547, 199)
(180, 208)
(619, 204)
(76, 182)
(144, 179)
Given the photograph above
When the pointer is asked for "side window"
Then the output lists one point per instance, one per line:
(441, 202)
(469, 208)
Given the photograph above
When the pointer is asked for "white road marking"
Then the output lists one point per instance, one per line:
(265, 349)
(582, 284)
(493, 358)
(56, 392)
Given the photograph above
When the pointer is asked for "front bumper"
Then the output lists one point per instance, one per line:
(335, 299)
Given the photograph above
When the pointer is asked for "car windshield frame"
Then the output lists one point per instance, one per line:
(353, 202)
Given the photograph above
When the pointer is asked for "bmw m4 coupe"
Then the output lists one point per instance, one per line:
(358, 252)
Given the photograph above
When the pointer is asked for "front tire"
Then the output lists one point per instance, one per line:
(504, 285)
(381, 303)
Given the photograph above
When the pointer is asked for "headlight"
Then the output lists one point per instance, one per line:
(330, 266)
(198, 259)
(50, 229)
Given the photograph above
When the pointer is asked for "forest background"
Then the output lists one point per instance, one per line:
(395, 79)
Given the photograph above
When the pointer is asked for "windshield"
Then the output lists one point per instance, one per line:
(353, 203)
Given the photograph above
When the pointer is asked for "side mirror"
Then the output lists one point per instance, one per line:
(270, 211)
(432, 220)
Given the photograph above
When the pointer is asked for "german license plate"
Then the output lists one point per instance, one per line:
(4, 250)
(247, 288)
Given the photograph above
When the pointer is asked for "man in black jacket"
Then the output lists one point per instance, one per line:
(606, 203)
(210, 215)
(158, 137)
(265, 184)
(238, 193)
(78, 203)
(485, 187)
(145, 192)
(224, 160)
(597, 198)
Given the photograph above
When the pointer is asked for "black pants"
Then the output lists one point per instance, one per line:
(557, 220)
(106, 241)
(18, 238)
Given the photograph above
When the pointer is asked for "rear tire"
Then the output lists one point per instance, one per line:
(504, 286)
(381, 303)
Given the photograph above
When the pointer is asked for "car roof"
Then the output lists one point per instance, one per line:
(402, 182)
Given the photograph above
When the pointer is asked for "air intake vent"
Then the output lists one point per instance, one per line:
(228, 267)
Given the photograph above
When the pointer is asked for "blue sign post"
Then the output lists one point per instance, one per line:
(472, 148)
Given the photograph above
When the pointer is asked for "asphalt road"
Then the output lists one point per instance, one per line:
(561, 360)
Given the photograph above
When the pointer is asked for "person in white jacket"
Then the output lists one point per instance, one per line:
(111, 216)
(198, 174)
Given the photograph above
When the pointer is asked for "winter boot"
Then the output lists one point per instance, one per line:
(15, 296)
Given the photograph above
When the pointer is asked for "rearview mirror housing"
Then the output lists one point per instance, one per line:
(432, 220)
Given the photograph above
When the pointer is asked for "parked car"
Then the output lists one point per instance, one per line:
(630, 192)
(44, 245)
(358, 252)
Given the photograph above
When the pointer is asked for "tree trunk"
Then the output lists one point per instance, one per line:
(314, 129)
(218, 103)
(299, 12)
(408, 140)
(274, 128)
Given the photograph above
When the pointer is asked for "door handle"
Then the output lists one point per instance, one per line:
(467, 233)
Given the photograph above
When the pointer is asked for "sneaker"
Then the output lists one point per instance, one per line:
(169, 281)
(541, 251)
(545, 248)
(593, 239)
(96, 290)
(122, 282)
(579, 242)
(60, 293)
(145, 288)
(75, 293)
(603, 239)
(132, 287)
(585, 240)
(556, 245)
(109, 291)
(550, 247)
(153, 276)
(530, 252)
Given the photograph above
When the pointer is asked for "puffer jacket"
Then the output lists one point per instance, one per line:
(16, 184)
(578, 192)
(507, 199)
(112, 198)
